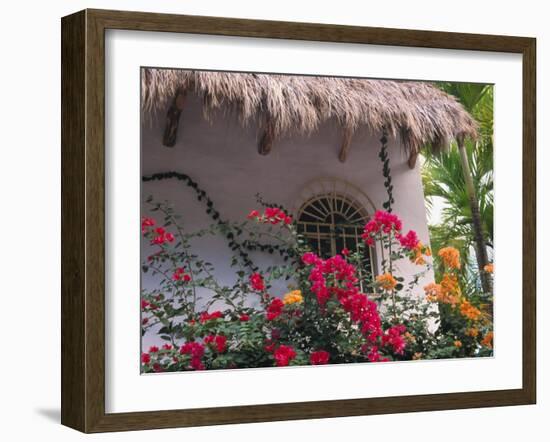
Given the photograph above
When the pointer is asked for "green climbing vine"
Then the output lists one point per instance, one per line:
(386, 171)
(240, 247)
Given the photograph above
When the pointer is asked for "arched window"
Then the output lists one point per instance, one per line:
(331, 222)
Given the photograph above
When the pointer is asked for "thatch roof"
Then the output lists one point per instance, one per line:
(418, 112)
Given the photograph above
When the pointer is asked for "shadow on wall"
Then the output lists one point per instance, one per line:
(51, 414)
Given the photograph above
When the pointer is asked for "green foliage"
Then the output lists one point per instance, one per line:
(443, 179)
(386, 171)
(204, 324)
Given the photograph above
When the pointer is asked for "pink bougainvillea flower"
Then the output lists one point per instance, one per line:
(319, 357)
(373, 355)
(384, 222)
(409, 241)
(257, 282)
(283, 355)
(310, 258)
(393, 337)
(335, 277)
(345, 251)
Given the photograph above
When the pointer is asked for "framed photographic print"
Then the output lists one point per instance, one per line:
(265, 221)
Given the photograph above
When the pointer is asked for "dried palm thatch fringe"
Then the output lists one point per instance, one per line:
(417, 112)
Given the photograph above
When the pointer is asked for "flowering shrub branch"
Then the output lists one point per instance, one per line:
(333, 312)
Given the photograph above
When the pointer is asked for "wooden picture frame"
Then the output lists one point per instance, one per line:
(83, 219)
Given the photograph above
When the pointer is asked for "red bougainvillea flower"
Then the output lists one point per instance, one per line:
(145, 304)
(205, 316)
(145, 358)
(319, 357)
(216, 341)
(269, 345)
(157, 368)
(257, 282)
(275, 215)
(146, 223)
(409, 241)
(271, 215)
(283, 355)
(394, 338)
(274, 309)
(244, 317)
(221, 343)
(153, 349)
(161, 237)
(345, 251)
(180, 275)
(167, 347)
(144, 321)
(196, 351)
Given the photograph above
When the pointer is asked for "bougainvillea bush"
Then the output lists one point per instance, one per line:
(332, 312)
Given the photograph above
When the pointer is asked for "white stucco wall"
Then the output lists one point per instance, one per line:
(222, 157)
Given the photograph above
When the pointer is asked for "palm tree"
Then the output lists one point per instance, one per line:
(463, 179)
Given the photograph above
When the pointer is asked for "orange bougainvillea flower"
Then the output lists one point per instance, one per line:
(417, 256)
(450, 290)
(489, 268)
(472, 332)
(450, 257)
(487, 341)
(469, 311)
(458, 344)
(295, 296)
(433, 292)
(409, 338)
(386, 281)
